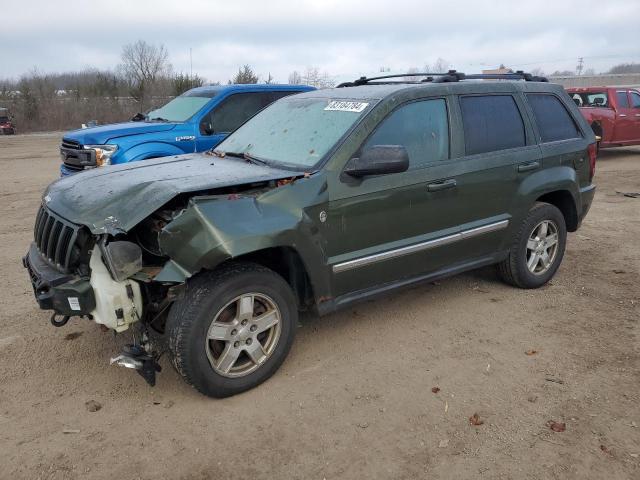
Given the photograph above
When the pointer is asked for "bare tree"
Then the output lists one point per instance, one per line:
(538, 72)
(316, 79)
(245, 75)
(440, 66)
(143, 66)
(295, 78)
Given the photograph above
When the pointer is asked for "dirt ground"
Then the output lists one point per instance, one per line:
(355, 398)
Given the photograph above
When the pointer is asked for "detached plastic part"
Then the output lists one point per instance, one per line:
(135, 357)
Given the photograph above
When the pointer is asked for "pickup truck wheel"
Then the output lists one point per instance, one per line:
(232, 329)
(538, 248)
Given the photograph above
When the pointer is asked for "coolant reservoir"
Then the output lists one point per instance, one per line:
(114, 308)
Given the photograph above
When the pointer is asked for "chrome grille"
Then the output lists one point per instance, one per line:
(55, 239)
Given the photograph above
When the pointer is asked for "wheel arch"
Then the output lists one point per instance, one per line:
(149, 150)
(564, 201)
(288, 263)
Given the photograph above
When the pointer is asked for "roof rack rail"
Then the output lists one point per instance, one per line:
(450, 76)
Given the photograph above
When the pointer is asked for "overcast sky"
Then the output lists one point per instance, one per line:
(346, 38)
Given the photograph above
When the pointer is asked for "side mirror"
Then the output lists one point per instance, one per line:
(379, 160)
(206, 127)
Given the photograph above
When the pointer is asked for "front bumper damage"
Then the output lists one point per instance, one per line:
(65, 294)
(114, 304)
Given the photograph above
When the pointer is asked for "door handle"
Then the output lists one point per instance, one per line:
(434, 187)
(637, 114)
(622, 115)
(526, 167)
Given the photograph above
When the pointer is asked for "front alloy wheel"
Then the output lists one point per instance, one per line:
(243, 335)
(232, 329)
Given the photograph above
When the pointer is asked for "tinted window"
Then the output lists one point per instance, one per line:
(623, 100)
(491, 123)
(421, 127)
(239, 108)
(635, 100)
(553, 119)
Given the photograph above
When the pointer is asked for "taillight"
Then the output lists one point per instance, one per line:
(593, 153)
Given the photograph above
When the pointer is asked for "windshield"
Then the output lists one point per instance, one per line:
(180, 109)
(295, 131)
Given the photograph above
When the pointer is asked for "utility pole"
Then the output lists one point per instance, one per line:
(190, 64)
(580, 66)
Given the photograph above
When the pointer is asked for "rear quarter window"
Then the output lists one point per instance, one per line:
(552, 117)
(491, 123)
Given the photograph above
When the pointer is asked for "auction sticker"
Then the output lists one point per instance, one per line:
(343, 106)
(74, 303)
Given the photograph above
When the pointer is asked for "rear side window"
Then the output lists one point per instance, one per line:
(421, 127)
(491, 123)
(554, 121)
(635, 99)
(623, 100)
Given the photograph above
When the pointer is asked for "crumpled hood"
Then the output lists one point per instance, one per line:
(115, 199)
(102, 134)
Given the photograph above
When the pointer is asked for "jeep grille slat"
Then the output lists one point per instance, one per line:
(55, 238)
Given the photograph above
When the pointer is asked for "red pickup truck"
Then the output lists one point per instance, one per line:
(612, 112)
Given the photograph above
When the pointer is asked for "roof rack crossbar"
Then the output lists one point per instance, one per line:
(450, 76)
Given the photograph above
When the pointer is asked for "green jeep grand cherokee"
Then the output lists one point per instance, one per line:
(321, 200)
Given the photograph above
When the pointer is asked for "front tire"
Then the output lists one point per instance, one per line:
(538, 248)
(232, 329)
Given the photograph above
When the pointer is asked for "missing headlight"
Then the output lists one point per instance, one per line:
(123, 259)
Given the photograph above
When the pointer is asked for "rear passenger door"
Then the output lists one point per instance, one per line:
(499, 148)
(635, 111)
(624, 124)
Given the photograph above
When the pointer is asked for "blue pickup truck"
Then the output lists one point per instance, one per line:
(195, 121)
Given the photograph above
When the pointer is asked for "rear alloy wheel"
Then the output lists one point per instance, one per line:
(232, 329)
(537, 250)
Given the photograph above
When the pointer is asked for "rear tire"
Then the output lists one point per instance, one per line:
(232, 329)
(538, 248)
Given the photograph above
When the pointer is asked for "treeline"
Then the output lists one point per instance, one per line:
(45, 102)
(144, 79)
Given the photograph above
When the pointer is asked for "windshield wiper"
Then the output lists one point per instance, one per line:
(159, 119)
(247, 156)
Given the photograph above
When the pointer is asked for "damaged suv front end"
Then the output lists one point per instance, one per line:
(118, 260)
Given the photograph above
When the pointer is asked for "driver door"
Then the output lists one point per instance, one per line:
(373, 222)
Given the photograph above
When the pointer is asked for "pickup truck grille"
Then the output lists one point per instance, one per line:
(56, 239)
(75, 156)
(71, 144)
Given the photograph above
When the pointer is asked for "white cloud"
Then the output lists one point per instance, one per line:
(344, 38)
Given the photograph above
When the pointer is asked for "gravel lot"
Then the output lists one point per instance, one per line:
(355, 398)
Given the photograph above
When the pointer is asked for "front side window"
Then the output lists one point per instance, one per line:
(294, 131)
(237, 109)
(421, 127)
(491, 123)
(635, 99)
(623, 100)
(553, 120)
